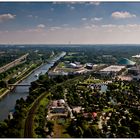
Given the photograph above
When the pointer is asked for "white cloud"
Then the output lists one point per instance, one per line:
(5, 17)
(98, 19)
(38, 29)
(88, 27)
(122, 15)
(90, 33)
(121, 26)
(55, 28)
(93, 26)
(84, 19)
(41, 26)
(108, 25)
(133, 25)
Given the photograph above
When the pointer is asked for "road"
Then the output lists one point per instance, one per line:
(68, 108)
(100, 123)
(28, 130)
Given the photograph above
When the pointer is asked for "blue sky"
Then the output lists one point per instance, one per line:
(75, 22)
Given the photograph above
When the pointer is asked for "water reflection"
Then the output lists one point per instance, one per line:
(8, 102)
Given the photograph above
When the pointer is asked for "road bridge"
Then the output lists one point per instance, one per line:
(26, 84)
(19, 84)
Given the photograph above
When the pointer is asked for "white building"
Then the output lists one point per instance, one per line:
(113, 69)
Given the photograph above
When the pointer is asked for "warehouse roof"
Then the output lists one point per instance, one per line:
(112, 68)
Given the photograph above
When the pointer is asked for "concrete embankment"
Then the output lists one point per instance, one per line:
(4, 93)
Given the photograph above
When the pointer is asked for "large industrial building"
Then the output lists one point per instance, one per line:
(111, 70)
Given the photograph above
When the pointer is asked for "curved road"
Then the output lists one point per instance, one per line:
(28, 130)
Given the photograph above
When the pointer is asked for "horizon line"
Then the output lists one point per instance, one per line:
(65, 44)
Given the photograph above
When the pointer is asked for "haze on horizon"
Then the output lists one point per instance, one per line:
(69, 22)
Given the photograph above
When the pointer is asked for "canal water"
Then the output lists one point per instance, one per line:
(7, 103)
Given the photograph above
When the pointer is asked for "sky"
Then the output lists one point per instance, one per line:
(70, 22)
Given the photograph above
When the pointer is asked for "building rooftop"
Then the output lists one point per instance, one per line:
(136, 56)
(126, 61)
(112, 68)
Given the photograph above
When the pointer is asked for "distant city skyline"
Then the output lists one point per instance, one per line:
(69, 22)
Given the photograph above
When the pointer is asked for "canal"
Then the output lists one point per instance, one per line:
(7, 103)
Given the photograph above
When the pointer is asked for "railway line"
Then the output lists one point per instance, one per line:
(28, 129)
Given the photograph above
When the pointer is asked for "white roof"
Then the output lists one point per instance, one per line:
(112, 68)
(61, 101)
(77, 109)
(73, 64)
(136, 56)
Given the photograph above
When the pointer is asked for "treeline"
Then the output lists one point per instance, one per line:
(108, 54)
(36, 53)
(36, 56)
(14, 128)
(85, 53)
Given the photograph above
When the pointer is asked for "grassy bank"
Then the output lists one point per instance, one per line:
(5, 91)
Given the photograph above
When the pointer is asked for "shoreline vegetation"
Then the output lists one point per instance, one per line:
(7, 91)
(12, 88)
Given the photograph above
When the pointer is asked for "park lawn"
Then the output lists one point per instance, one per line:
(66, 69)
(91, 80)
(68, 57)
(71, 53)
(61, 65)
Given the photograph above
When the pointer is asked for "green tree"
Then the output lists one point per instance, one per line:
(50, 125)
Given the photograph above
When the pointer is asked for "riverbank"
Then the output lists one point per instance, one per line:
(7, 103)
(24, 77)
(4, 93)
(12, 88)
